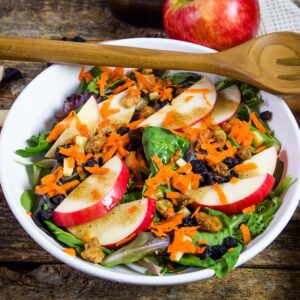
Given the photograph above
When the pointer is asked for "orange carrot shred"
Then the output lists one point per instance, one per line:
(257, 123)
(95, 195)
(202, 242)
(123, 87)
(132, 209)
(220, 193)
(133, 125)
(102, 82)
(249, 209)
(126, 240)
(195, 180)
(70, 251)
(157, 161)
(188, 98)
(234, 180)
(162, 228)
(28, 212)
(246, 233)
(173, 195)
(97, 170)
(81, 74)
(260, 149)
(245, 167)
(195, 213)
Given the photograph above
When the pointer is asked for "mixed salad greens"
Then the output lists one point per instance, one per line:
(164, 169)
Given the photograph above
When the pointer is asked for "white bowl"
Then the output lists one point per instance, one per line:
(35, 108)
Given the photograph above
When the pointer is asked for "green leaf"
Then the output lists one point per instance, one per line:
(244, 112)
(64, 237)
(47, 163)
(181, 77)
(267, 139)
(143, 245)
(283, 186)
(96, 71)
(224, 84)
(161, 142)
(250, 95)
(132, 196)
(91, 86)
(278, 171)
(39, 145)
(221, 266)
(36, 172)
(28, 200)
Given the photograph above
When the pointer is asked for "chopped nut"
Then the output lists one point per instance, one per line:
(132, 98)
(221, 169)
(208, 223)
(95, 143)
(147, 111)
(244, 153)
(165, 208)
(147, 71)
(220, 136)
(157, 194)
(92, 251)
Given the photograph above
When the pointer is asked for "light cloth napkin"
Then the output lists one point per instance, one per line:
(279, 15)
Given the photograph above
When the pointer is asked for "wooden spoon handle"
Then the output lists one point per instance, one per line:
(40, 50)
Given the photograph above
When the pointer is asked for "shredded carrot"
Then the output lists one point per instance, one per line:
(198, 90)
(135, 167)
(202, 242)
(249, 209)
(195, 180)
(185, 169)
(80, 172)
(97, 170)
(171, 120)
(105, 111)
(220, 193)
(102, 82)
(195, 213)
(88, 77)
(126, 240)
(188, 98)
(132, 209)
(75, 153)
(116, 74)
(230, 250)
(173, 195)
(81, 74)
(162, 228)
(70, 162)
(142, 80)
(82, 128)
(181, 182)
(246, 233)
(133, 125)
(28, 212)
(86, 237)
(260, 149)
(69, 185)
(257, 123)
(240, 132)
(157, 161)
(149, 192)
(95, 195)
(123, 87)
(70, 251)
(234, 180)
(245, 167)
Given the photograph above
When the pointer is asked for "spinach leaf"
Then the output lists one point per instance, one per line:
(250, 95)
(28, 200)
(181, 77)
(278, 171)
(283, 186)
(224, 84)
(64, 237)
(38, 145)
(96, 71)
(36, 173)
(143, 245)
(109, 89)
(132, 196)
(161, 142)
(243, 112)
(221, 266)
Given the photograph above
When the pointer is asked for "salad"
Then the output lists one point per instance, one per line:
(164, 169)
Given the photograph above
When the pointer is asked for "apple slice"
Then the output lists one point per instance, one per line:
(80, 206)
(227, 104)
(189, 107)
(121, 222)
(88, 115)
(244, 193)
(265, 161)
(121, 117)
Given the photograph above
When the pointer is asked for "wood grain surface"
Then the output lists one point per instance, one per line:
(26, 270)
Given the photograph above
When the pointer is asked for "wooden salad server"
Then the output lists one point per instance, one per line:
(270, 62)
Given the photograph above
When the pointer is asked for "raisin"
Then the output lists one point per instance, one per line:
(209, 178)
(265, 115)
(91, 163)
(218, 251)
(230, 242)
(77, 39)
(207, 253)
(164, 103)
(135, 139)
(223, 179)
(230, 162)
(122, 130)
(60, 157)
(11, 74)
(198, 166)
(189, 155)
(188, 222)
(47, 214)
(57, 199)
(233, 173)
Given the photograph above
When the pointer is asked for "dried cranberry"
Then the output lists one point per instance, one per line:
(11, 74)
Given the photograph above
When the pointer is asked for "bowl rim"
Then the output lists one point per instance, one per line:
(110, 274)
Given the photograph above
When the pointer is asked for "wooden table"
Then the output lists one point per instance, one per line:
(28, 271)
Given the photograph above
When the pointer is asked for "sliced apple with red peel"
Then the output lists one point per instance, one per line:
(88, 115)
(244, 193)
(80, 206)
(190, 107)
(124, 115)
(120, 223)
(228, 102)
(265, 161)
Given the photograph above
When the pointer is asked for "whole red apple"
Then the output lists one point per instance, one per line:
(217, 24)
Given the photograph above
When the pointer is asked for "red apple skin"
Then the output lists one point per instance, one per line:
(253, 199)
(143, 226)
(217, 24)
(100, 208)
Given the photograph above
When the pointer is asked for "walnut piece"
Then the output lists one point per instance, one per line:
(95, 143)
(244, 153)
(92, 251)
(165, 208)
(208, 223)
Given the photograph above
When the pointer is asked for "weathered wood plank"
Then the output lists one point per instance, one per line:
(62, 282)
